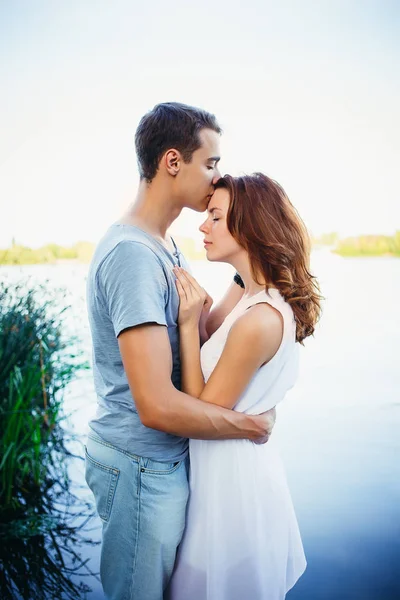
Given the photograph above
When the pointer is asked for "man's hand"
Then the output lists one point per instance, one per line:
(267, 421)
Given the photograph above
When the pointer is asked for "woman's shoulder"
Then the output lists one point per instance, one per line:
(276, 301)
(260, 324)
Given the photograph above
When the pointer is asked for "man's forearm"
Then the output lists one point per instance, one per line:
(186, 416)
(147, 360)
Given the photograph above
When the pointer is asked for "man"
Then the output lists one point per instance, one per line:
(136, 456)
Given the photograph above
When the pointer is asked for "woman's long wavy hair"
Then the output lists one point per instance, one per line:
(265, 223)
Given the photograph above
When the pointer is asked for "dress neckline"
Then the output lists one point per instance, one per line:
(260, 292)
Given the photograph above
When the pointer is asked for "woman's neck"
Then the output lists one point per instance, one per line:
(242, 265)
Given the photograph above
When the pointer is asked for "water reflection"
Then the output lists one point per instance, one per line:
(338, 428)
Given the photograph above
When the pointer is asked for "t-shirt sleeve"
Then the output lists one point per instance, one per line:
(133, 286)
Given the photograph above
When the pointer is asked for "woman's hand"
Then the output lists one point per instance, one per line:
(193, 299)
(204, 318)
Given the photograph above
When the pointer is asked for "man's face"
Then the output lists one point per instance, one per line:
(195, 182)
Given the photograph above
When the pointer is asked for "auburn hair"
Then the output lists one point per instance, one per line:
(265, 223)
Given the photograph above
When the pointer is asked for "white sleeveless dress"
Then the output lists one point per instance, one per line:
(241, 539)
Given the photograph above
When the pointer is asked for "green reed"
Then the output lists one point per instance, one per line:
(41, 519)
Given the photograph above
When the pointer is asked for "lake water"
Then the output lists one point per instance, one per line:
(338, 429)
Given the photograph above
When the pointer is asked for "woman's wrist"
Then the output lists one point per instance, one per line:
(189, 327)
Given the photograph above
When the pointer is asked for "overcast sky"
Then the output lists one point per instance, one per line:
(306, 91)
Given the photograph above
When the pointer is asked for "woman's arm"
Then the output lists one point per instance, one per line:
(252, 341)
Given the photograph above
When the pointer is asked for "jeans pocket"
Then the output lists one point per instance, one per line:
(154, 467)
(102, 480)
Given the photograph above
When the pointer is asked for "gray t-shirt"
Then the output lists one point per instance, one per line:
(131, 282)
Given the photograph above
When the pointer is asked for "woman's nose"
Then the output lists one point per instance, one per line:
(203, 227)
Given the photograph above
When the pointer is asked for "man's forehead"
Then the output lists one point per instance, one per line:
(210, 143)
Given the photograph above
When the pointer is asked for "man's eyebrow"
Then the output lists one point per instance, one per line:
(214, 158)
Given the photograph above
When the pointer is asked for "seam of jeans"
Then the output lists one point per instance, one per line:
(137, 535)
(111, 494)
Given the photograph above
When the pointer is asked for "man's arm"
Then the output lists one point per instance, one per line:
(224, 307)
(147, 359)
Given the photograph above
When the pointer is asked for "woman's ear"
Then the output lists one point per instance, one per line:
(173, 161)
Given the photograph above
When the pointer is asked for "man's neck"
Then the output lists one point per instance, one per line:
(153, 210)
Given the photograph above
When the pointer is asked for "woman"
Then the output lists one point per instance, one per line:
(242, 539)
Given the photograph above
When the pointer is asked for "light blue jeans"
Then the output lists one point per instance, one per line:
(142, 505)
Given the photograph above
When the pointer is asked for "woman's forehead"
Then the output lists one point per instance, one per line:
(219, 200)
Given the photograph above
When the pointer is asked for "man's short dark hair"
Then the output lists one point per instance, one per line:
(170, 125)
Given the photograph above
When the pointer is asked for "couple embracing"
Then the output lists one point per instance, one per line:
(187, 481)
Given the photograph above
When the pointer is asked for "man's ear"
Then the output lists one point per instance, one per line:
(173, 161)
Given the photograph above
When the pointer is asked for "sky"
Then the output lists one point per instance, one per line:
(307, 92)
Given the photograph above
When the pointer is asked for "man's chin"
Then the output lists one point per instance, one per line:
(200, 207)
(207, 201)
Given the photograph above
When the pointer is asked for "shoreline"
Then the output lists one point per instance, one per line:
(73, 261)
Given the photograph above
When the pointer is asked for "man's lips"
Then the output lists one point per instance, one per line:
(207, 243)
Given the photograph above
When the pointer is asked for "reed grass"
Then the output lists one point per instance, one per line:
(42, 520)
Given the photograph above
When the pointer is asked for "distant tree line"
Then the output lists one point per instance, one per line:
(369, 245)
(362, 245)
(51, 253)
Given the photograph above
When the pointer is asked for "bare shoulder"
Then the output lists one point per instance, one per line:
(253, 340)
(260, 329)
(260, 319)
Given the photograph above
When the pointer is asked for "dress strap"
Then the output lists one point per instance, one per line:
(274, 299)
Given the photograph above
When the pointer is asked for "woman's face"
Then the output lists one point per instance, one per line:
(218, 241)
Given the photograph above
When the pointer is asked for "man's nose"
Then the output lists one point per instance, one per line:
(216, 177)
